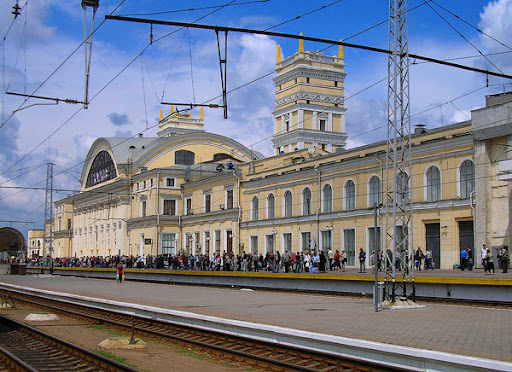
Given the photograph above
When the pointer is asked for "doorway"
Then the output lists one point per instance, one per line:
(466, 236)
(433, 242)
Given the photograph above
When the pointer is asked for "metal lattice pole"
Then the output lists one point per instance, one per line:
(399, 227)
(48, 211)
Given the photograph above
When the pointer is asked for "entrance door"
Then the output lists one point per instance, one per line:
(229, 243)
(466, 238)
(433, 241)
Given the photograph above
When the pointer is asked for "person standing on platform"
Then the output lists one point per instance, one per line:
(343, 260)
(362, 260)
(120, 274)
(483, 252)
(470, 259)
(503, 257)
(330, 257)
(337, 261)
(428, 260)
(463, 259)
(372, 261)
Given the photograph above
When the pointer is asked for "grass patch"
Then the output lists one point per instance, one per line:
(192, 353)
(119, 359)
(229, 365)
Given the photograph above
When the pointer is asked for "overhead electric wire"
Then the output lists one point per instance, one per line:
(465, 38)
(198, 8)
(58, 67)
(469, 24)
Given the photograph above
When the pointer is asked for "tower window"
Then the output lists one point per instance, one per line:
(307, 80)
(287, 126)
(307, 101)
(335, 83)
(322, 125)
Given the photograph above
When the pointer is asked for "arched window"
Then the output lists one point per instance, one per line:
(374, 191)
(433, 184)
(467, 178)
(184, 157)
(350, 195)
(327, 198)
(288, 203)
(102, 169)
(306, 202)
(402, 188)
(255, 207)
(270, 206)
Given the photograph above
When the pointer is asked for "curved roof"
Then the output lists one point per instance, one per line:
(11, 239)
(140, 150)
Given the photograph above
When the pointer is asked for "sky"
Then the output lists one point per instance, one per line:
(42, 54)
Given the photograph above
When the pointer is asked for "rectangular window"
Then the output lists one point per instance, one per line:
(188, 243)
(169, 207)
(270, 243)
(306, 239)
(229, 199)
(326, 240)
(287, 240)
(372, 245)
(217, 241)
(168, 243)
(207, 203)
(189, 206)
(143, 208)
(144, 185)
(137, 186)
(150, 182)
(59, 223)
(197, 244)
(254, 244)
(322, 125)
(349, 245)
(69, 223)
(169, 182)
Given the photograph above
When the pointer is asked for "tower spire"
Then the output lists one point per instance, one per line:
(340, 50)
(301, 44)
(278, 59)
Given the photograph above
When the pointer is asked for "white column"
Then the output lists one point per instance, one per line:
(300, 123)
(329, 122)
(315, 121)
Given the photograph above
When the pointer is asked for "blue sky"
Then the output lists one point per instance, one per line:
(182, 66)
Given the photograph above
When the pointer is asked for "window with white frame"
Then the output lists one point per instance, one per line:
(306, 201)
(169, 207)
(433, 184)
(270, 243)
(144, 184)
(306, 240)
(288, 203)
(350, 195)
(168, 243)
(349, 245)
(150, 182)
(217, 241)
(229, 198)
(372, 245)
(170, 181)
(287, 242)
(374, 191)
(255, 208)
(271, 206)
(207, 202)
(254, 244)
(143, 204)
(467, 178)
(188, 202)
(327, 198)
(402, 187)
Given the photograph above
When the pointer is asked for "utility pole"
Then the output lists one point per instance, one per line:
(48, 213)
(88, 44)
(399, 222)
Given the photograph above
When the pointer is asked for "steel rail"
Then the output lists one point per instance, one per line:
(241, 349)
(35, 350)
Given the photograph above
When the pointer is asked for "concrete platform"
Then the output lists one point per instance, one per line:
(460, 331)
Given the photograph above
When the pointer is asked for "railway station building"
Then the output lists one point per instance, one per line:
(188, 190)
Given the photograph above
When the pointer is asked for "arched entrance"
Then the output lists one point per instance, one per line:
(11, 241)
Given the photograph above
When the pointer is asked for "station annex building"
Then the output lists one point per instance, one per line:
(190, 191)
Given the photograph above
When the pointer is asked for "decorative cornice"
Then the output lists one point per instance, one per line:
(307, 135)
(310, 72)
(311, 96)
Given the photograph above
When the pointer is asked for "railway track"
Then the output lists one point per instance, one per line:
(24, 348)
(243, 350)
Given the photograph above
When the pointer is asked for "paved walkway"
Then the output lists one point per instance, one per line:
(472, 331)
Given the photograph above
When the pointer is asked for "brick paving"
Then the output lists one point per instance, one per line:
(466, 330)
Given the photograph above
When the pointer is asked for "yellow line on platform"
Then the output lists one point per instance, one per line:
(344, 277)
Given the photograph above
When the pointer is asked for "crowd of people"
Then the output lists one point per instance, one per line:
(300, 262)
